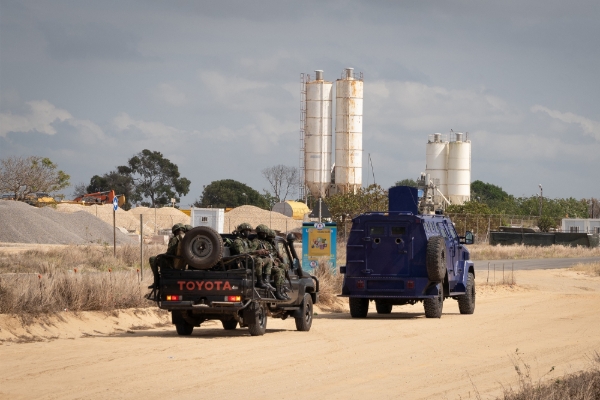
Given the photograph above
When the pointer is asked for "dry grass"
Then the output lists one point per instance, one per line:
(577, 386)
(81, 257)
(518, 251)
(76, 278)
(330, 285)
(592, 269)
(66, 290)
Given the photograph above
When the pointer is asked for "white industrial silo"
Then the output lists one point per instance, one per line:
(317, 135)
(459, 169)
(348, 132)
(437, 162)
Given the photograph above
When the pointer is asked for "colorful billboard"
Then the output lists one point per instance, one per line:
(319, 240)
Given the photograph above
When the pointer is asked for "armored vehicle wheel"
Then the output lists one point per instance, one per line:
(433, 307)
(466, 302)
(359, 307)
(229, 324)
(304, 322)
(184, 329)
(436, 259)
(258, 325)
(383, 308)
(202, 247)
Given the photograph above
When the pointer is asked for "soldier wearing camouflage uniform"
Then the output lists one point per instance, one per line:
(243, 245)
(268, 268)
(168, 259)
(283, 267)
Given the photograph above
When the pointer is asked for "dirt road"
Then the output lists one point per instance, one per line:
(551, 317)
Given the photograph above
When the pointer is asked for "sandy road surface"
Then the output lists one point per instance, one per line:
(552, 317)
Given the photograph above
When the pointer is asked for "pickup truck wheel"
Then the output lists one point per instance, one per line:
(466, 302)
(436, 259)
(258, 325)
(304, 322)
(433, 307)
(202, 247)
(383, 308)
(229, 324)
(359, 307)
(184, 329)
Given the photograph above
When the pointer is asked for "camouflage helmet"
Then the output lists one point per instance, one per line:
(177, 227)
(262, 228)
(271, 234)
(188, 228)
(244, 227)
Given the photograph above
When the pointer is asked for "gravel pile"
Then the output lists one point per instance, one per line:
(22, 223)
(255, 216)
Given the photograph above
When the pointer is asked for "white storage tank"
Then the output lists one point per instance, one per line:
(348, 132)
(212, 217)
(317, 135)
(292, 209)
(437, 161)
(459, 169)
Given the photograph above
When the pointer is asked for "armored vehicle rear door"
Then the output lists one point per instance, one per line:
(386, 248)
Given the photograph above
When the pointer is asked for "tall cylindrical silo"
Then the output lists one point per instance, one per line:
(437, 161)
(348, 133)
(459, 170)
(317, 136)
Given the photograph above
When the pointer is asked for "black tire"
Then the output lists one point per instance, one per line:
(359, 307)
(229, 324)
(466, 302)
(436, 259)
(184, 329)
(202, 247)
(433, 307)
(258, 325)
(383, 308)
(304, 322)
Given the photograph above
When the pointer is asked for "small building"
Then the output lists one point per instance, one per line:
(581, 225)
(293, 209)
(211, 217)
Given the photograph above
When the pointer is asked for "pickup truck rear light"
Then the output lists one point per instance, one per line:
(233, 298)
(174, 297)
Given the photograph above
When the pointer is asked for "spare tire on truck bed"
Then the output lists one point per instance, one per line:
(202, 247)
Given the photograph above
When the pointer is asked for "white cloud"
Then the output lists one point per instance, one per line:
(124, 122)
(590, 127)
(234, 92)
(40, 117)
(169, 94)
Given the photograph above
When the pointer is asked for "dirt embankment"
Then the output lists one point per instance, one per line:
(551, 317)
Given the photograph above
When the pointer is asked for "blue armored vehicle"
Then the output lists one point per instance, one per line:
(404, 256)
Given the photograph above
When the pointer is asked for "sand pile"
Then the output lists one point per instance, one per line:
(154, 219)
(255, 216)
(22, 223)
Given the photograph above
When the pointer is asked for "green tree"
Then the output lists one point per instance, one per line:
(154, 177)
(406, 182)
(230, 193)
(349, 205)
(22, 176)
(469, 207)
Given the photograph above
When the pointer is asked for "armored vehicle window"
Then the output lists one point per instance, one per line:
(398, 230)
(453, 234)
(442, 230)
(377, 231)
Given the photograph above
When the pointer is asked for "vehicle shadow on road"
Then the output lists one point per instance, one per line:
(196, 334)
(375, 316)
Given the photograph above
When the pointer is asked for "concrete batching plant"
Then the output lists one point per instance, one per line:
(316, 134)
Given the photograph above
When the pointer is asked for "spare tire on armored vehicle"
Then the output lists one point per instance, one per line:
(202, 247)
(436, 259)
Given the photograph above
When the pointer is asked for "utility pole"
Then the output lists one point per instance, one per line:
(541, 198)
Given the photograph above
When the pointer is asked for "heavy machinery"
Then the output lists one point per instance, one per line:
(107, 197)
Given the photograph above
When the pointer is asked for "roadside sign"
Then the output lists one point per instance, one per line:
(319, 243)
(115, 204)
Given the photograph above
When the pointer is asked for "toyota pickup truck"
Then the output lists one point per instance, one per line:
(217, 286)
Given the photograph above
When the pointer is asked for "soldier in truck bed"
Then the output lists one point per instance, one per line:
(243, 245)
(266, 261)
(168, 259)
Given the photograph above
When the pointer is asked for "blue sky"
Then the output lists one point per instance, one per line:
(215, 86)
